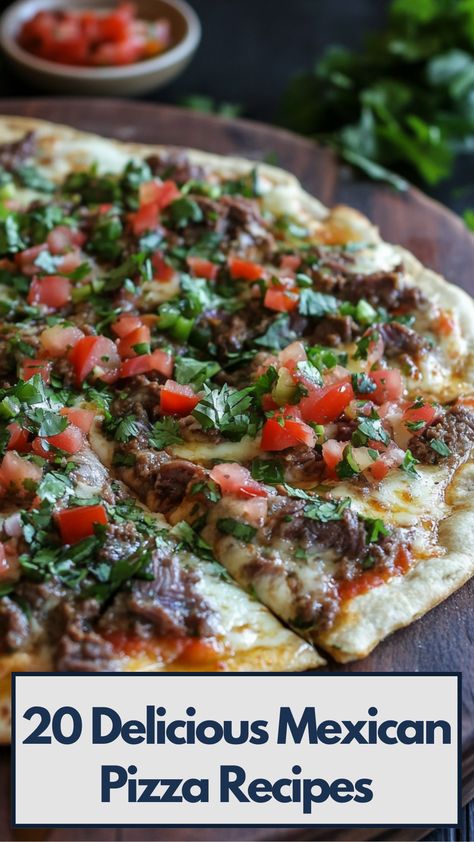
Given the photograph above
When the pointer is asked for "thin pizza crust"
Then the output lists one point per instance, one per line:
(372, 616)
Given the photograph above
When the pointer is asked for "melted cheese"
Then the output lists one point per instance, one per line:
(225, 451)
(401, 500)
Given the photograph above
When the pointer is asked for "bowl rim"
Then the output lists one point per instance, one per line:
(184, 48)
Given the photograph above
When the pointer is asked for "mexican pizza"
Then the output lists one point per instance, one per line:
(236, 427)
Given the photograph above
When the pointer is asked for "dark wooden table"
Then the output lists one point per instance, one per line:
(441, 641)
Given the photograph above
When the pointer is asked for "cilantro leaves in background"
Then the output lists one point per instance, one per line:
(404, 104)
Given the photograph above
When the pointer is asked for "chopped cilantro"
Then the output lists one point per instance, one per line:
(227, 410)
(316, 304)
(409, 463)
(348, 466)
(440, 447)
(363, 384)
(326, 510)
(375, 528)
(278, 335)
(269, 471)
(193, 372)
(241, 531)
(165, 433)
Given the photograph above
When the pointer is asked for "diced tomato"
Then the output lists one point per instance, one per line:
(292, 355)
(30, 367)
(389, 385)
(291, 262)
(163, 271)
(71, 440)
(232, 478)
(176, 399)
(81, 418)
(115, 26)
(145, 219)
(125, 324)
(62, 239)
(56, 341)
(281, 300)
(202, 268)
(326, 404)
(390, 458)
(160, 193)
(71, 261)
(333, 452)
(127, 345)
(379, 470)
(91, 37)
(245, 269)
(122, 52)
(159, 361)
(18, 438)
(425, 414)
(95, 354)
(15, 470)
(50, 290)
(78, 523)
(286, 429)
(25, 260)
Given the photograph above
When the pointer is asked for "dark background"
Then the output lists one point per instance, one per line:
(248, 52)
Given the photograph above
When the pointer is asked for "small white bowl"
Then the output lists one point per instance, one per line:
(126, 80)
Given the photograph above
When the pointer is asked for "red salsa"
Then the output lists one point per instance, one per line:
(92, 38)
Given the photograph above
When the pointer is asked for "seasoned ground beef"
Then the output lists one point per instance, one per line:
(456, 430)
(17, 152)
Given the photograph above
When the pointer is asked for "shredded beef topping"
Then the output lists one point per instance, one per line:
(401, 340)
(456, 430)
(176, 166)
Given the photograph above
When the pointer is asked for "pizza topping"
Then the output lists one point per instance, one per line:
(452, 436)
(231, 366)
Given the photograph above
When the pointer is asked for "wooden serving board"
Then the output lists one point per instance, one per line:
(442, 640)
